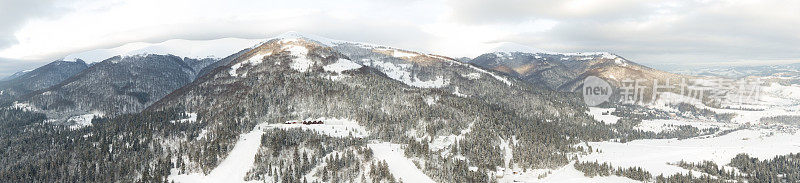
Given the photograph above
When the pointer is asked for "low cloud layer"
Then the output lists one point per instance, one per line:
(654, 31)
(650, 32)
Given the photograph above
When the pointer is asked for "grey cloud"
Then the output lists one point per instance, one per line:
(685, 32)
(407, 36)
(15, 13)
(480, 11)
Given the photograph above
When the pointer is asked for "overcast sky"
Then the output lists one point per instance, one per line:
(655, 32)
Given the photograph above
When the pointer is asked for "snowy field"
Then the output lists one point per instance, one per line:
(654, 154)
(760, 141)
(763, 141)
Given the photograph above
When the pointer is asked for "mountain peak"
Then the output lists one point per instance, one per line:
(293, 35)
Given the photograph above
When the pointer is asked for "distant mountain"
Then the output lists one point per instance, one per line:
(15, 75)
(133, 73)
(195, 49)
(784, 73)
(25, 82)
(117, 85)
(565, 71)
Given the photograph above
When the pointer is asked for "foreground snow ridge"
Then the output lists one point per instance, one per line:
(400, 166)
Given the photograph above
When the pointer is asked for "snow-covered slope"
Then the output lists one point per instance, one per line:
(568, 174)
(654, 154)
(217, 48)
(399, 165)
(236, 164)
(562, 71)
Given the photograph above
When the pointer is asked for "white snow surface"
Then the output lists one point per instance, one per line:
(235, 166)
(341, 65)
(395, 71)
(400, 166)
(241, 159)
(457, 93)
(400, 72)
(660, 125)
(403, 54)
(510, 47)
(294, 35)
(567, 174)
(254, 60)
(472, 76)
(430, 100)
(501, 79)
(81, 121)
(654, 154)
(217, 48)
(790, 92)
(597, 114)
(202, 134)
(192, 117)
(505, 146)
(775, 100)
(442, 142)
(24, 106)
(301, 63)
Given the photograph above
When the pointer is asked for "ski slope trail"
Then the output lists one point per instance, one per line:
(400, 166)
(236, 164)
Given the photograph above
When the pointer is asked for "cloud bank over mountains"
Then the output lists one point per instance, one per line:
(649, 32)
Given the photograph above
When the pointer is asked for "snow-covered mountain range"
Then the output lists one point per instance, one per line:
(304, 108)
